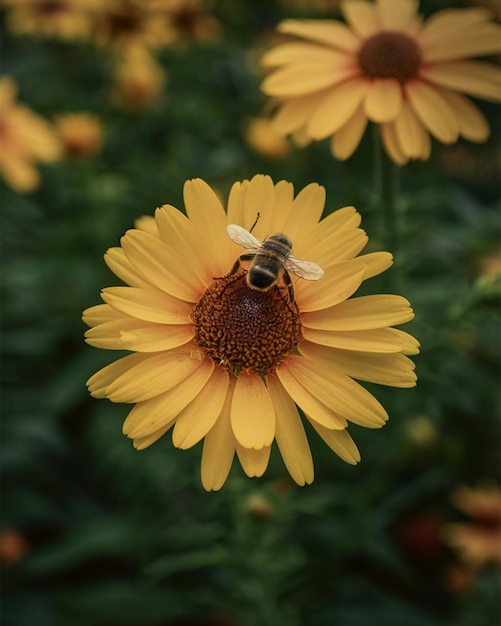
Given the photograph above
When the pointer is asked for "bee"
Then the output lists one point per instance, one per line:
(271, 260)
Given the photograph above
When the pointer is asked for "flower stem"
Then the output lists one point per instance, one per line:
(387, 192)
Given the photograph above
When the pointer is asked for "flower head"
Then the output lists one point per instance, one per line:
(478, 538)
(389, 67)
(216, 358)
(66, 19)
(25, 139)
(81, 134)
(139, 80)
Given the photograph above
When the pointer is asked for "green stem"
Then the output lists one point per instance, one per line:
(387, 187)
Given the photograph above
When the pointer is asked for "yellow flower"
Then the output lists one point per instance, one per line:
(67, 19)
(81, 134)
(389, 67)
(264, 139)
(477, 540)
(217, 360)
(120, 24)
(25, 139)
(187, 20)
(139, 80)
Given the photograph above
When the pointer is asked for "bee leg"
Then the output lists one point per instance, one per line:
(236, 265)
(288, 284)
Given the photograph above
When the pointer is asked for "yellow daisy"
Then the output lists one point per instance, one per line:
(389, 67)
(214, 359)
(67, 19)
(81, 134)
(26, 138)
(139, 80)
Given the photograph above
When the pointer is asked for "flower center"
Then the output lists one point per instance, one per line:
(50, 7)
(241, 328)
(390, 55)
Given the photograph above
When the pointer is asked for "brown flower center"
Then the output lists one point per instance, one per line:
(241, 328)
(50, 7)
(390, 55)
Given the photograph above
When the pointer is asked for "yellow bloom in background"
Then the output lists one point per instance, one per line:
(187, 20)
(26, 138)
(139, 80)
(66, 19)
(263, 138)
(119, 24)
(477, 539)
(214, 359)
(80, 133)
(389, 67)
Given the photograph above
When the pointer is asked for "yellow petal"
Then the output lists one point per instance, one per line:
(148, 224)
(450, 22)
(337, 108)
(383, 101)
(200, 415)
(472, 123)
(394, 370)
(410, 345)
(305, 212)
(362, 16)
(363, 313)
(475, 40)
(154, 375)
(306, 400)
(339, 282)
(346, 139)
(165, 268)
(338, 392)
(120, 265)
(102, 379)
(398, 15)
(107, 335)
(148, 304)
(207, 214)
(154, 413)
(391, 144)
(332, 246)
(376, 263)
(252, 413)
(218, 450)
(378, 340)
(290, 435)
(294, 52)
(329, 32)
(155, 338)
(471, 77)
(304, 78)
(410, 133)
(433, 111)
(254, 462)
(100, 314)
(293, 114)
(140, 443)
(339, 441)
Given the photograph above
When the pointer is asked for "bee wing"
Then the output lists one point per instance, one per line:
(243, 237)
(304, 269)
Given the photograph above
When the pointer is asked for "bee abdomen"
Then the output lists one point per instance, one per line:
(261, 278)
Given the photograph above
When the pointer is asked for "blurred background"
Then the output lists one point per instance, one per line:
(94, 533)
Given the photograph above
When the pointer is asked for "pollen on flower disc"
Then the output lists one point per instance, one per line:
(241, 328)
(390, 55)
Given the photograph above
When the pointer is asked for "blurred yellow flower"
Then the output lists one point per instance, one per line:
(25, 139)
(187, 20)
(139, 80)
(80, 133)
(478, 539)
(263, 138)
(66, 19)
(120, 24)
(215, 359)
(389, 67)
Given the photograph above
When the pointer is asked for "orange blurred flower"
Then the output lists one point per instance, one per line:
(66, 19)
(139, 80)
(263, 138)
(25, 139)
(81, 134)
(477, 540)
